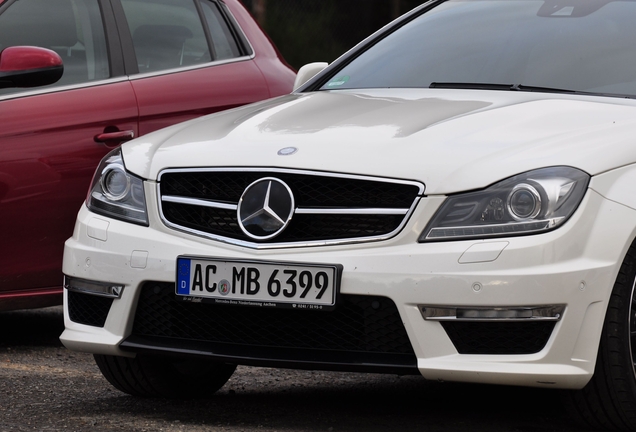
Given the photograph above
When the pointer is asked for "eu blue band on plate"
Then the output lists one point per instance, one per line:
(183, 276)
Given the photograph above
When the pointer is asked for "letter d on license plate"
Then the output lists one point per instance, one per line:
(258, 283)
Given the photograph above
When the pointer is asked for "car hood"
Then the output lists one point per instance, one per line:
(451, 140)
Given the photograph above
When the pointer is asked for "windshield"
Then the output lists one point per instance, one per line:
(579, 45)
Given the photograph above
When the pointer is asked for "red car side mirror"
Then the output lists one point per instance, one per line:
(27, 66)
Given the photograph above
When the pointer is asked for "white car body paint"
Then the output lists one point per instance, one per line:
(449, 140)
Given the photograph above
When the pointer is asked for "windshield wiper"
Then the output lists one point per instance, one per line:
(471, 86)
(520, 87)
(508, 87)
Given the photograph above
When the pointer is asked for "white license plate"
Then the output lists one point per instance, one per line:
(258, 283)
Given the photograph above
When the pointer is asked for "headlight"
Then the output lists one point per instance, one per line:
(529, 203)
(117, 193)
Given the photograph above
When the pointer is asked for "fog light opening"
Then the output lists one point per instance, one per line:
(102, 289)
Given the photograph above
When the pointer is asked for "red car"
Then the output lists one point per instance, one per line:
(128, 67)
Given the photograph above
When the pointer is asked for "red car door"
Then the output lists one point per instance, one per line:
(49, 140)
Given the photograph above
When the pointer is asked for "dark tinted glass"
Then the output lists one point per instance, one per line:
(590, 46)
(225, 46)
(167, 34)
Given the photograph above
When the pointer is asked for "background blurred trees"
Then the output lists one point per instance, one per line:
(321, 30)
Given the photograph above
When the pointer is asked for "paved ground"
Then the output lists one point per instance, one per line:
(45, 387)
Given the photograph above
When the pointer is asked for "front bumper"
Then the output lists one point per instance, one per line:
(574, 266)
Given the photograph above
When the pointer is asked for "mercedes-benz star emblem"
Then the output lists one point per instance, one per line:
(287, 151)
(265, 208)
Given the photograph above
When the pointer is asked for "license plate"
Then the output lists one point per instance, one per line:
(258, 283)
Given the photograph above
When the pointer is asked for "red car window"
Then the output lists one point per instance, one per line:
(72, 28)
(166, 34)
(225, 46)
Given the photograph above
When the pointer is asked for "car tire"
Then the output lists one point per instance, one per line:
(608, 401)
(164, 377)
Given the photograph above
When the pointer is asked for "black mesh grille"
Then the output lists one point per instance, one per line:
(211, 220)
(499, 337)
(310, 191)
(360, 324)
(88, 309)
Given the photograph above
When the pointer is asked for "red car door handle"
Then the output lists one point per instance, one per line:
(110, 137)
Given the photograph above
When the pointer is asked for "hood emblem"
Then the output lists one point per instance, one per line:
(265, 208)
(287, 151)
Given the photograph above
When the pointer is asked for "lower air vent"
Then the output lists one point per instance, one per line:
(362, 333)
(88, 309)
(499, 337)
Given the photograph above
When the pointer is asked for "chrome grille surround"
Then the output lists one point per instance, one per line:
(403, 212)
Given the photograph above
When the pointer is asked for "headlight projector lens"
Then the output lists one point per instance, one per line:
(115, 183)
(524, 202)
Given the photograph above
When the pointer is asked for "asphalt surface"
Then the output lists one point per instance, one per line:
(45, 387)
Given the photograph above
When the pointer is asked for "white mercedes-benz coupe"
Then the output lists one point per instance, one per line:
(454, 197)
